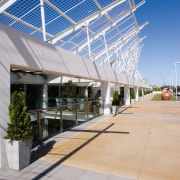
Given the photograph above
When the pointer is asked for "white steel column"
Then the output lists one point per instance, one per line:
(105, 94)
(127, 95)
(86, 92)
(45, 96)
(172, 82)
(45, 105)
(106, 48)
(176, 76)
(136, 90)
(117, 88)
(43, 19)
(142, 92)
(117, 61)
(89, 46)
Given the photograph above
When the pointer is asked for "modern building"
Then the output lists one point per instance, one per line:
(67, 57)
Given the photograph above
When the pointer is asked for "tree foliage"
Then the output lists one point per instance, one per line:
(132, 94)
(20, 127)
(140, 93)
(116, 100)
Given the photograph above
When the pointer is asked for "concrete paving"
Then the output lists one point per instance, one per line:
(142, 143)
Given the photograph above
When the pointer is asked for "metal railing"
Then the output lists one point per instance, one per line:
(52, 120)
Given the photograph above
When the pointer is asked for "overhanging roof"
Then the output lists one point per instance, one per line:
(104, 31)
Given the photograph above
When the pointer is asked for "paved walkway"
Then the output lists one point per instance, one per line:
(142, 143)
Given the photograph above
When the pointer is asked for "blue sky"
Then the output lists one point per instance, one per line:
(162, 45)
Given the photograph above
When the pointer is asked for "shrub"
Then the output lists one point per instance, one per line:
(116, 101)
(20, 127)
(132, 94)
(140, 93)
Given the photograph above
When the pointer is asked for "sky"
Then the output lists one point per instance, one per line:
(162, 44)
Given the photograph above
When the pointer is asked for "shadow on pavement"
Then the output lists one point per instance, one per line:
(98, 133)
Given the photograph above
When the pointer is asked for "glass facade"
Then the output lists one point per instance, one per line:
(68, 102)
(34, 94)
(55, 120)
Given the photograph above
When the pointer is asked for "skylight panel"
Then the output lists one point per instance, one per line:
(34, 17)
(82, 11)
(38, 35)
(68, 46)
(22, 27)
(21, 7)
(104, 3)
(5, 20)
(66, 5)
(119, 10)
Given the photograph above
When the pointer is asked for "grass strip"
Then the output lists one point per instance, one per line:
(158, 97)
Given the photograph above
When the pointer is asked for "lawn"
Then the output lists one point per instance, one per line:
(158, 97)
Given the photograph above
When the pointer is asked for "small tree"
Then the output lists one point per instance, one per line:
(20, 127)
(116, 101)
(140, 93)
(132, 94)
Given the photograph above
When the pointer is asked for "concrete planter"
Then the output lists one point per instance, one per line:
(18, 153)
(115, 110)
(133, 101)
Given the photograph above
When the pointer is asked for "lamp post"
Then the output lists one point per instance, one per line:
(176, 76)
(172, 81)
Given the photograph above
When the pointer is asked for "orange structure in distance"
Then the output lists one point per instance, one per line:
(166, 94)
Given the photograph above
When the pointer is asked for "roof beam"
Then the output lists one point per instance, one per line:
(124, 39)
(107, 28)
(59, 11)
(43, 19)
(24, 22)
(133, 55)
(83, 22)
(67, 17)
(127, 62)
(4, 4)
(123, 55)
(127, 51)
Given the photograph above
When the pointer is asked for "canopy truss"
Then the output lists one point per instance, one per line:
(103, 31)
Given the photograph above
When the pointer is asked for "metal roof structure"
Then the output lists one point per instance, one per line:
(103, 31)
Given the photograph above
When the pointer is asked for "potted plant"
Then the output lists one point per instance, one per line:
(18, 141)
(132, 96)
(140, 94)
(115, 103)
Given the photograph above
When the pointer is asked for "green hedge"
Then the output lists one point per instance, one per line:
(20, 127)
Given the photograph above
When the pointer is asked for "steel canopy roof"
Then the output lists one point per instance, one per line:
(103, 31)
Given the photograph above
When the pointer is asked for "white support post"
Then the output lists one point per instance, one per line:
(106, 49)
(142, 92)
(136, 90)
(86, 92)
(105, 94)
(89, 46)
(176, 76)
(43, 19)
(117, 88)
(172, 81)
(127, 95)
(45, 96)
(45, 105)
